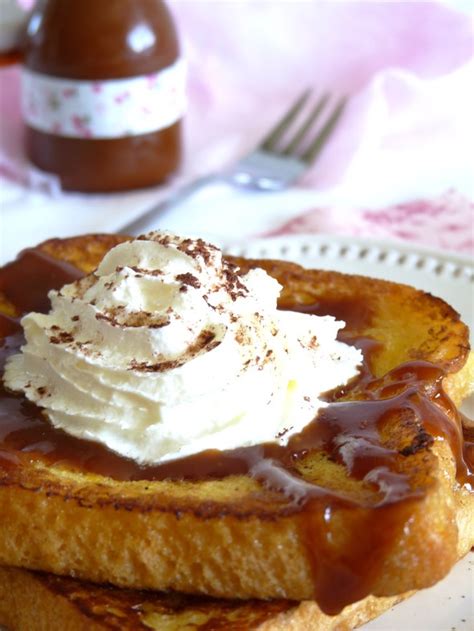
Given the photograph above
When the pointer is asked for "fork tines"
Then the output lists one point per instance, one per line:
(306, 151)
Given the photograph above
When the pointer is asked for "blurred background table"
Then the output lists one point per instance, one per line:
(400, 164)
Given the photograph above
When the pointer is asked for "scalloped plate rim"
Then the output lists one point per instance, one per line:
(371, 242)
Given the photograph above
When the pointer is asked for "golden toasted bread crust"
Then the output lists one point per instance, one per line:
(44, 602)
(230, 538)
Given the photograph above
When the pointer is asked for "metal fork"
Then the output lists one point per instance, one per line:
(273, 165)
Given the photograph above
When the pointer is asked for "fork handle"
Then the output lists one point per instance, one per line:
(177, 197)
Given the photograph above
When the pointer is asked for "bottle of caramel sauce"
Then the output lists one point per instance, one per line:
(103, 93)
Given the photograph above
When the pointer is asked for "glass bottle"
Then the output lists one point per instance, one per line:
(103, 93)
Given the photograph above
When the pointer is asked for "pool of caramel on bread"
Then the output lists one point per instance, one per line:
(26, 435)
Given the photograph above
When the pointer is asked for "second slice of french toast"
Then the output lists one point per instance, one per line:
(236, 537)
(44, 602)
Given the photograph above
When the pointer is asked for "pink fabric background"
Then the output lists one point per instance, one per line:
(405, 140)
(444, 222)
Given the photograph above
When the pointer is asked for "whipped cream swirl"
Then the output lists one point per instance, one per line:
(165, 351)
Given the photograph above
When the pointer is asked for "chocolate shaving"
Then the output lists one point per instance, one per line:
(233, 284)
(64, 337)
(141, 271)
(188, 279)
(197, 248)
(205, 342)
(134, 319)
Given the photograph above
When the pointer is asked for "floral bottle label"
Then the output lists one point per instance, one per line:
(113, 108)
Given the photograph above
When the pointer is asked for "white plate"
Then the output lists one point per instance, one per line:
(449, 605)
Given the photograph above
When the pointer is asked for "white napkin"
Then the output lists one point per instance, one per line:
(218, 212)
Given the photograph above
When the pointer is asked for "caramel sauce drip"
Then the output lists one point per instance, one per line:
(26, 281)
(347, 433)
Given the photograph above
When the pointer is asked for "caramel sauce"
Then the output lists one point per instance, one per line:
(350, 433)
(130, 610)
(26, 281)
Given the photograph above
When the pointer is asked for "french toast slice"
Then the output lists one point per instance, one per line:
(44, 602)
(235, 538)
